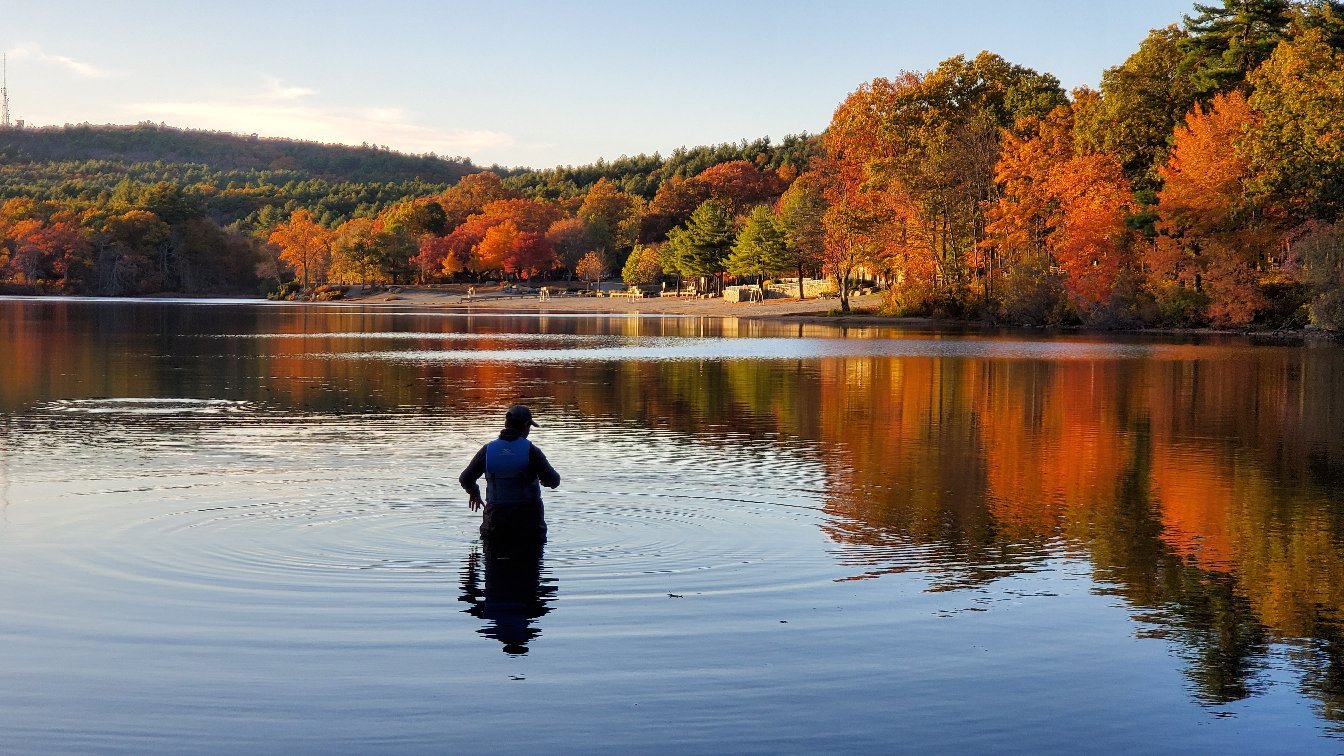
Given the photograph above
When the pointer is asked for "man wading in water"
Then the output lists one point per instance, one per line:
(514, 471)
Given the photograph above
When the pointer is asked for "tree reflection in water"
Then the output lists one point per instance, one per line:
(504, 584)
(1200, 479)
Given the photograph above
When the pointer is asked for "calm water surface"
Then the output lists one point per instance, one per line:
(237, 527)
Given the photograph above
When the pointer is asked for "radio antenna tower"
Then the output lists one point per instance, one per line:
(4, 91)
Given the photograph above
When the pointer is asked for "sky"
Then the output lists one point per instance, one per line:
(524, 83)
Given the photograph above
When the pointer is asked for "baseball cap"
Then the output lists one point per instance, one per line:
(519, 415)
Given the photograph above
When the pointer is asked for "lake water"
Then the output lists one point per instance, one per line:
(234, 527)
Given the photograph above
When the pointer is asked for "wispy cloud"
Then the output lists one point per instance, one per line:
(34, 52)
(277, 111)
(277, 90)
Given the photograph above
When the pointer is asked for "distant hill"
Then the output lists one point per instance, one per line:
(149, 143)
(256, 181)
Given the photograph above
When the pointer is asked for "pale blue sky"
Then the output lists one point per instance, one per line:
(523, 83)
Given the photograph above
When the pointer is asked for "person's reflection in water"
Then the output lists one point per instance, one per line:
(513, 591)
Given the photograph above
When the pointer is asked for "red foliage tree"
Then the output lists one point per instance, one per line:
(531, 255)
(740, 185)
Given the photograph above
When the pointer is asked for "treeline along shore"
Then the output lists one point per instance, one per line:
(1201, 185)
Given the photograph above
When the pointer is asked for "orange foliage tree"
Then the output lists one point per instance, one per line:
(496, 244)
(1060, 208)
(470, 195)
(462, 248)
(591, 268)
(304, 246)
(857, 224)
(1093, 243)
(1214, 239)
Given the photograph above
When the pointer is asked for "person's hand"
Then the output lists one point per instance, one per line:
(475, 503)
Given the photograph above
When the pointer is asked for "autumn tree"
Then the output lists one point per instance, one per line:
(929, 142)
(612, 217)
(495, 246)
(526, 214)
(354, 253)
(858, 223)
(304, 246)
(739, 185)
(1141, 102)
(69, 247)
(461, 248)
(642, 267)
(672, 206)
(415, 218)
(469, 196)
(761, 248)
(1022, 277)
(1295, 150)
(591, 268)
(1092, 243)
(1026, 215)
(1214, 239)
(439, 256)
(571, 240)
(366, 251)
(532, 255)
(27, 258)
(1061, 208)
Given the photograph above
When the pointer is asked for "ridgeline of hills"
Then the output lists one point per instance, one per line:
(147, 143)
(255, 181)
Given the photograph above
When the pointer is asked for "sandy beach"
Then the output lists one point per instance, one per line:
(715, 307)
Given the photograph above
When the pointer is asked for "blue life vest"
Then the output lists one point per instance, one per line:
(508, 479)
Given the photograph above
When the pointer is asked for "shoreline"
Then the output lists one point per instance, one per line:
(812, 311)
(819, 311)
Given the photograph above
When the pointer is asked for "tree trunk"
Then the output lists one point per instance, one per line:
(842, 283)
(801, 293)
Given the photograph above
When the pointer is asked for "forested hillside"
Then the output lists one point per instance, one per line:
(148, 143)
